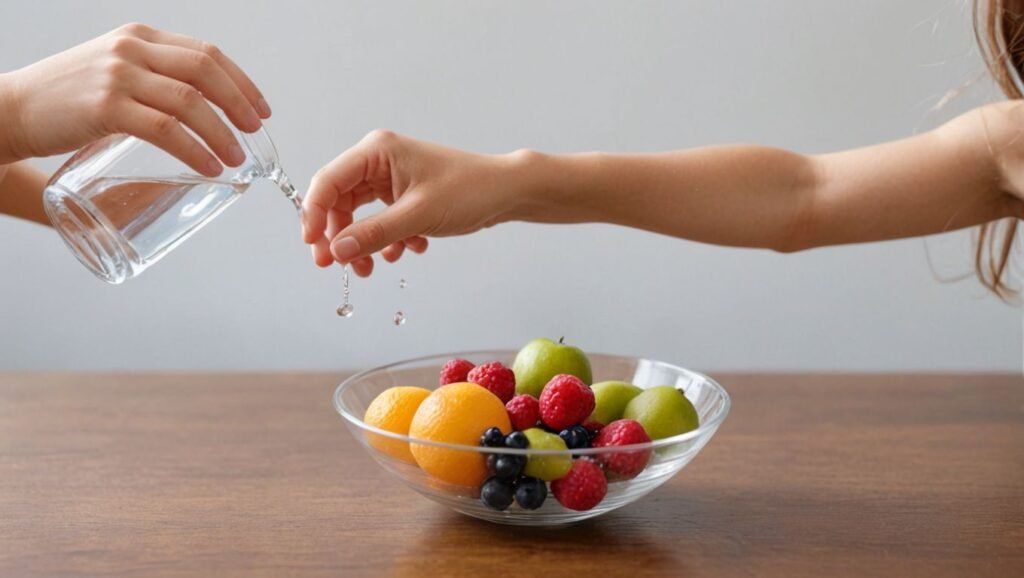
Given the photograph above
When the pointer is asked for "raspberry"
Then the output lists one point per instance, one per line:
(593, 426)
(582, 488)
(455, 371)
(566, 401)
(523, 411)
(623, 432)
(495, 378)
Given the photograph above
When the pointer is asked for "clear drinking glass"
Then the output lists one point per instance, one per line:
(121, 204)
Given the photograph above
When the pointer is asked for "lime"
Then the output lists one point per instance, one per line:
(547, 468)
(664, 412)
(611, 398)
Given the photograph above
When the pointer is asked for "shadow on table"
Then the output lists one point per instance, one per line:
(652, 535)
(710, 530)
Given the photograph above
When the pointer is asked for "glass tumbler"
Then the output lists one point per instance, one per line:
(121, 204)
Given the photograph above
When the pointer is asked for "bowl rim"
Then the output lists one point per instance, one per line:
(705, 428)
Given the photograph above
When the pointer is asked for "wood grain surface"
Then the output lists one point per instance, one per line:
(255, 475)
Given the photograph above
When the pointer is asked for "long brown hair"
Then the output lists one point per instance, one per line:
(999, 28)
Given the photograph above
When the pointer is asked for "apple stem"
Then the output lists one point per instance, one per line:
(561, 340)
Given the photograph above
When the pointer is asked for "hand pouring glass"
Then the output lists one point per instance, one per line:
(121, 204)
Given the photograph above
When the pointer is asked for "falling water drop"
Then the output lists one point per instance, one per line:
(346, 309)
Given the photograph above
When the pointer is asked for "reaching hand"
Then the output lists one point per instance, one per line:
(430, 190)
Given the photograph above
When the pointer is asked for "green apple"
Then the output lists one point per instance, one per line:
(547, 468)
(664, 412)
(541, 359)
(611, 398)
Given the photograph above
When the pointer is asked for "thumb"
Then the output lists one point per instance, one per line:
(374, 233)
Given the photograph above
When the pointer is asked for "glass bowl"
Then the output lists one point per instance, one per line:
(667, 456)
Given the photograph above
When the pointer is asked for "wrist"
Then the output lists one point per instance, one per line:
(552, 188)
(522, 198)
(10, 120)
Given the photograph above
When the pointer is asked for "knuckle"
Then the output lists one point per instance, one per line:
(381, 136)
(134, 29)
(163, 124)
(201, 61)
(374, 232)
(210, 50)
(116, 69)
(187, 94)
(124, 45)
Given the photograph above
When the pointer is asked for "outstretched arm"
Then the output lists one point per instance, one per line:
(959, 175)
(759, 197)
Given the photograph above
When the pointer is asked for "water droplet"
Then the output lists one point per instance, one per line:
(399, 318)
(346, 309)
(402, 284)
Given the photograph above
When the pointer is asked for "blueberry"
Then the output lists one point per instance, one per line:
(492, 462)
(575, 437)
(530, 493)
(517, 439)
(584, 433)
(492, 438)
(508, 467)
(496, 494)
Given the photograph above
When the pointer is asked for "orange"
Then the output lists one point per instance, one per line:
(457, 413)
(392, 410)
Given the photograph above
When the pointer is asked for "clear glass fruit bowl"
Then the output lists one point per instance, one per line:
(667, 456)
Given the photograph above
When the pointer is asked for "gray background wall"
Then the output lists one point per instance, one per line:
(567, 76)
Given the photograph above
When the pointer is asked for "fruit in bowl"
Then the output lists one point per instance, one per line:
(489, 448)
(542, 359)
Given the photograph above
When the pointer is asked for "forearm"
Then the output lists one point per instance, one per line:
(744, 196)
(760, 197)
(21, 193)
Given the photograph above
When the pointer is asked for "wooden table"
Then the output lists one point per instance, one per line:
(255, 475)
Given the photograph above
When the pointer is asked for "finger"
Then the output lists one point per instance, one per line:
(417, 244)
(185, 103)
(207, 75)
(393, 252)
(374, 233)
(336, 221)
(164, 131)
(329, 189)
(321, 251)
(363, 266)
(238, 76)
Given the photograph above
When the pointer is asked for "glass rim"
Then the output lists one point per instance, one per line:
(704, 428)
(262, 147)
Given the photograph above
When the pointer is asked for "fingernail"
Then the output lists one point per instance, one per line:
(215, 167)
(345, 249)
(263, 108)
(252, 120)
(235, 155)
